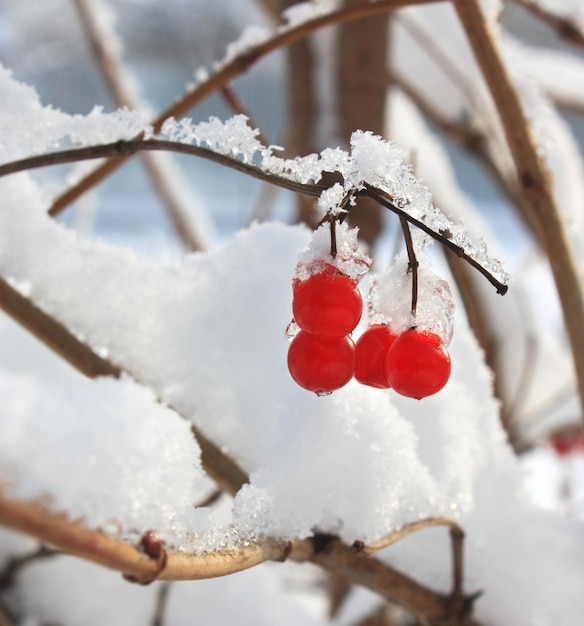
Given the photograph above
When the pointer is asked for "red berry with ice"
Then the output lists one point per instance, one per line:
(370, 352)
(327, 303)
(417, 364)
(321, 364)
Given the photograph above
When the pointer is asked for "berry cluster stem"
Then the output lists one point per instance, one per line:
(413, 262)
(333, 225)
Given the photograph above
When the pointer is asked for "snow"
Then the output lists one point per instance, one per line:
(349, 259)
(302, 12)
(389, 299)
(205, 333)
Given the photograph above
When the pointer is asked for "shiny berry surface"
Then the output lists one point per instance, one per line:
(321, 364)
(418, 364)
(370, 352)
(327, 303)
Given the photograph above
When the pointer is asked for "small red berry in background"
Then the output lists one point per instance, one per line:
(321, 364)
(417, 364)
(567, 442)
(370, 353)
(327, 303)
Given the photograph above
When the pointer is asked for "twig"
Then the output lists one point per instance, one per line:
(161, 603)
(116, 79)
(54, 334)
(238, 107)
(475, 141)
(364, 570)
(384, 199)
(123, 148)
(534, 177)
(230, 70)
(94, 546)
(566, 28)
(412, 263)
(15, 564)
(131, 147)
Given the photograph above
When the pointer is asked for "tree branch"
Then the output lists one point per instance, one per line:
(566, 28)
(534, 177)
(133, 146)
(117, 81)
(58, 531)
(229, 70)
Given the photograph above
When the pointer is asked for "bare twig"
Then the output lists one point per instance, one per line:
(54, 334)
(384, 199)
(15, 564)
(565, 27)
(117, 80)
(361, 569)
(229, 70)
(91, 545)
(412, 263)
(457, 539)
(534, 177)
(161, 603)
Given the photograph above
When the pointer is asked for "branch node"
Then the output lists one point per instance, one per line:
(153, 548)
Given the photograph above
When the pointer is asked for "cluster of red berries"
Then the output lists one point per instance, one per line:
(322, 357)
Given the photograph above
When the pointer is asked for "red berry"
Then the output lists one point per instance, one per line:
(321, 364)
(327, 303)
(567, 442)
(370, 352)
(417, 364)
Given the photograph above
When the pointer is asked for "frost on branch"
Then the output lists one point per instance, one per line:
(371, 162)
(303, 12)
(234, 137)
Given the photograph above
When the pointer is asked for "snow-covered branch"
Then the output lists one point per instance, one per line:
(239, 58)
(133, 562)
(410, 201)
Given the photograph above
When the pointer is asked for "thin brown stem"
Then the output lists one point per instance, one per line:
(117, 80)
(14, 565)
(412, 264)
(161, 603)
(94, 546)
(124, 148)
(361, 569)
(333, 226)
(229, 70)
(54, 334)
(387, 201)
(565, 27)
(534, 177)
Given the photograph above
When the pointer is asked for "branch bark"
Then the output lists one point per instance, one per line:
(94, 546)
(534, 177)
